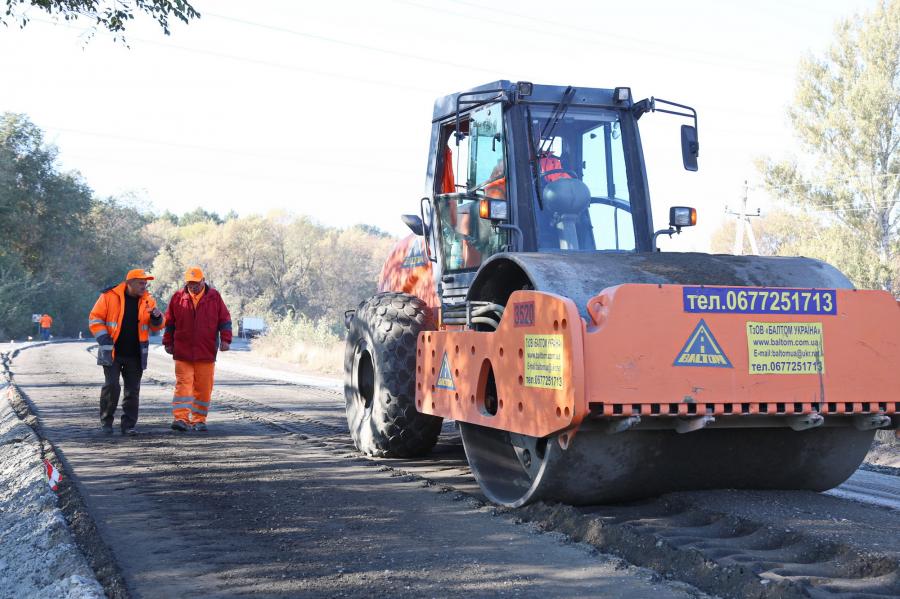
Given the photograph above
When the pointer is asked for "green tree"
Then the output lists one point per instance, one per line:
(19, 291)
(291, 262)
(372, 230)
(199, 215)
(179, 248)
(351, 260)
(847, 119)
(242, 245)
(793, 233)
(44, 231)
(61, 245)
(111, 15)
(118, 241)
(169, 216)
(281, 266)
(40, 205)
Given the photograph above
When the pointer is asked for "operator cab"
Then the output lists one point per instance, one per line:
(555, 170)
(517, 167)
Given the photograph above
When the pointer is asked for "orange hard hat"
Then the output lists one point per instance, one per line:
(138, 273)
(193, 275)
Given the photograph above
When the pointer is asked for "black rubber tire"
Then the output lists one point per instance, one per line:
(380, 378)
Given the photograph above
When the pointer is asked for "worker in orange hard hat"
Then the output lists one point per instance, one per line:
(198, 325)
(121, 321)
(46, 323)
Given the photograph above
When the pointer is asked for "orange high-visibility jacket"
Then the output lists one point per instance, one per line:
(548, 163)
(106, 320)
(46, 321)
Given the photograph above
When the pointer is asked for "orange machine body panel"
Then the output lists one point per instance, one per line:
(537, 361)
(408, 270)
(666, 351)
(638, 332)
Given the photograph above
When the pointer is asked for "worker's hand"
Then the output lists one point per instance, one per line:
(224, 346)
(169, 349)
(155, 313)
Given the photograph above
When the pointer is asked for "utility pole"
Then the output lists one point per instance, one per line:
(743, 222)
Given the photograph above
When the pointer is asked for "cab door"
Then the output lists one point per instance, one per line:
(471, 170)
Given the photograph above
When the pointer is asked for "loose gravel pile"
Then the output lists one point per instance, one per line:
(38, 556)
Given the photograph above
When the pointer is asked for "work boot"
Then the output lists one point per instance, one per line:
(180, 425)
(130, 432)
(200, 426)
(106, 428)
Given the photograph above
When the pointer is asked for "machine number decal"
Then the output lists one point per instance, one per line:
(523, 314)
(544, 359)
(759, 300)
(702, 349)
(785, 347)
(445, 376)
(415, 257)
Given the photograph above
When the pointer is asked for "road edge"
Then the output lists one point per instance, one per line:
(88, 544)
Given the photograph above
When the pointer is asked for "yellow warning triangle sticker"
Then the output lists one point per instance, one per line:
(445, 378)
(702, 349)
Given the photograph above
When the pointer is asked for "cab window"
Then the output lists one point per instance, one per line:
(478, 167)
(584, 186)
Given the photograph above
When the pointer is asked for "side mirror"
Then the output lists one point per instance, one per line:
(682, 216)
(690, 147)
(414, 222)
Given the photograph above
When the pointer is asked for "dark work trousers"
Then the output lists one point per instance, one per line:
(129, 367)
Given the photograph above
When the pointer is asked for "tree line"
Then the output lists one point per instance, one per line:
(62, 245)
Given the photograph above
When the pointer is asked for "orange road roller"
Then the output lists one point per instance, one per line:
(531, 306)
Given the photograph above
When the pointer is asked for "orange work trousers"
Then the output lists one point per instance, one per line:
(193, 389)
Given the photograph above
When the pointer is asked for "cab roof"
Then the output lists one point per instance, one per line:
(446, 106)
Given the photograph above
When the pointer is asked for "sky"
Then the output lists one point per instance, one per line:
(324, 108)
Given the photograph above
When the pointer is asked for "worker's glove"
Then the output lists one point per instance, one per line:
(105, 347)
(224, 346)
(169, 349)
(104, 356)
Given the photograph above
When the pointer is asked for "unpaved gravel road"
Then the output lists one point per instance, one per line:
(276, 504)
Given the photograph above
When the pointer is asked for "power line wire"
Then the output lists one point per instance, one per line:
(329, 74)
(274, 156)
(256, 61)
(665, 49)
(301, 178)
(821, 182)
(332, 40)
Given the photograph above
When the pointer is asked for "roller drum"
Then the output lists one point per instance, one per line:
(603, 468)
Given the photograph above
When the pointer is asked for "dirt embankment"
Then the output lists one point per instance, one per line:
(885, 452)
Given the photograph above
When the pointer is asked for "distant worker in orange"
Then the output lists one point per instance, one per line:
(121, 321)
(197, 326)
(46, 323)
